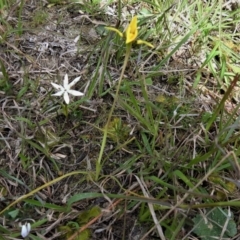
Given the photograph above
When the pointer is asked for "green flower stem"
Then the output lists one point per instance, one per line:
(65, 110)
(98, 163)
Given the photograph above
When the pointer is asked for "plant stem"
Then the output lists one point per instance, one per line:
(98, 164)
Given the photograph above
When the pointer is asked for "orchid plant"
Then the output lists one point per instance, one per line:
(130, 35)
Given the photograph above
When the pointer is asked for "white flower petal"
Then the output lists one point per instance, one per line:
(65, 90)
(66, 97)
(65, 81)
(56, 86)
(75, 93)
(26, 228)
(60, 93)
(74, 82)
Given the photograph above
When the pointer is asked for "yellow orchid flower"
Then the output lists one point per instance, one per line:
(131, 33)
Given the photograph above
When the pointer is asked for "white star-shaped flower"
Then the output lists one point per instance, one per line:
(65, 90)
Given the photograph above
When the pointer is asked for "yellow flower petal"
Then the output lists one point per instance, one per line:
(132, 31)
(115, 30)
(145, 42)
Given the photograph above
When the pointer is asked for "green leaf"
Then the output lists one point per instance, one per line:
(85, 216)
(184, 178)
(22, 91)
(13, 213)
(46, 205)
(212, 225)
(3, 230)
(81, 196)
(149, 81)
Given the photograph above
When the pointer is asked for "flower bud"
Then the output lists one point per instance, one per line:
(26, 228)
